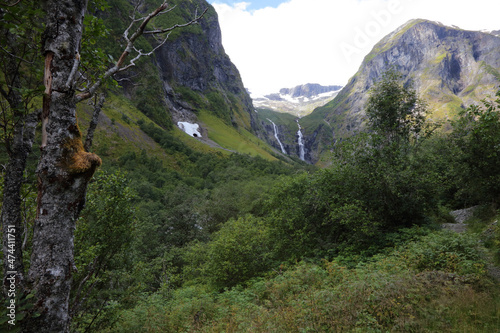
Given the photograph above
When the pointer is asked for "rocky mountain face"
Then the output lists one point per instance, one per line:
(277, 116)
(450, 68)
(300, 100)
(279, 130)
(189, 84)
(309, 90)
(197, 76)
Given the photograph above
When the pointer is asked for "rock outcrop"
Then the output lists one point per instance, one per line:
(450, 68)
(197, 73)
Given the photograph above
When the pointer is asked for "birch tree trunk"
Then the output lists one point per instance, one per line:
(64, 170)
(24, 135)
(18, 148)
(65, 166)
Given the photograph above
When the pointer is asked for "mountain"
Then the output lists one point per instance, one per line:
(300, 100)
(449, 67)
(189, 87)
(277, 116)
(309, 90)
(197, 74)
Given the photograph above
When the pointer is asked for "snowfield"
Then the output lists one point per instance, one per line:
(189, 128)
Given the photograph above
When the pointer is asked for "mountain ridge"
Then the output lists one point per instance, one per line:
(450, 68)
(299, 100)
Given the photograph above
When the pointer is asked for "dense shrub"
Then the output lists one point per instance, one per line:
(476, 134)
(448, 252)
(369, 192)
(239, 251)
(102, 236)
(384, 294)
(310, 218)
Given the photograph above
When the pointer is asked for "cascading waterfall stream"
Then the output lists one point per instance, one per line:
(276, 136)
(300, 141)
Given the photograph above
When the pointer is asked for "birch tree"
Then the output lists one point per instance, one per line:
(19, 79)
(66, 167)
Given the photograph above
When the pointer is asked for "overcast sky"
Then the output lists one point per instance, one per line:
(283, 43)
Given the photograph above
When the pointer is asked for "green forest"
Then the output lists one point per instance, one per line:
(187, 238)
(241, 244)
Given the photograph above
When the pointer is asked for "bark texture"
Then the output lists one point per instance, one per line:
(18, 146)
(22, 143)
(64, 171)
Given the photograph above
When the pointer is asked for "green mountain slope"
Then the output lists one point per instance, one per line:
(188, 79)
(450, 68)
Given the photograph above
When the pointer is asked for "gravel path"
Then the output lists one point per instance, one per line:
(494, 272)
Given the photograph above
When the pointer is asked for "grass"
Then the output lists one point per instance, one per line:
(280, 118)
(195, 144)
(491, 70)
(228, 137)
(117, 132)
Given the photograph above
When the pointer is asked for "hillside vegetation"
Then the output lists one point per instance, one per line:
(239, 244)
(180, 234)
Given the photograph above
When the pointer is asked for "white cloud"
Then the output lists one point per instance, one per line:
(324, 41)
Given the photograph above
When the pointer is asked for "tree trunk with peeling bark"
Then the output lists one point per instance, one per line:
(65, 166)
(64, 170)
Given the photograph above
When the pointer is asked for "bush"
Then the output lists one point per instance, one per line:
(239, 251)
(448, 252)
(365, 195)
(311, 216)
(477, 136)
(102, 238)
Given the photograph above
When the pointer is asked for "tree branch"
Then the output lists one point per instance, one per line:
(93, 122)
(161, 31)
(118, 67)
(14, 56)
(74, 70)
(15, 3)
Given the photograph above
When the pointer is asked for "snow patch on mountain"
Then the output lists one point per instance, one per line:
(190, 128)
(300, 100)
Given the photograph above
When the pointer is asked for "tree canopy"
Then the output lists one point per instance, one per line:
(394, 110)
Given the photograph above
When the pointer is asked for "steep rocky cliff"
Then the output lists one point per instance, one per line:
(198, 75)
(189, 83)
(278, 129)
(450, 68)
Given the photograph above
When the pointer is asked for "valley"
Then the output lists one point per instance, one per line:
(314, 208)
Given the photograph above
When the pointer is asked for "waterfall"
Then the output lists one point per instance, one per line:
(276, 136)
(300, 141)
